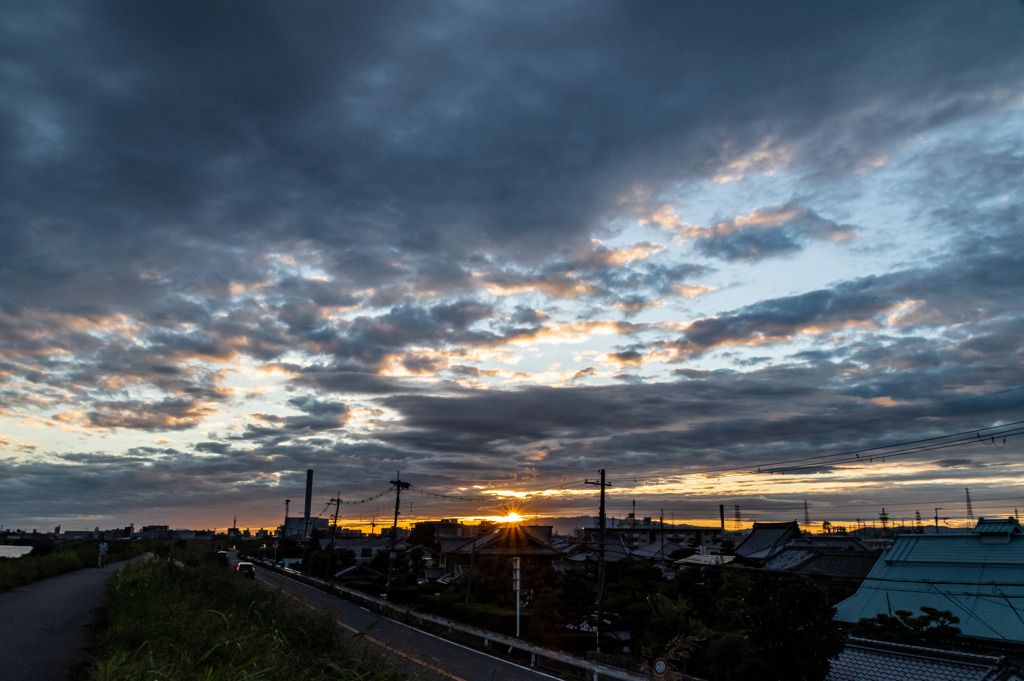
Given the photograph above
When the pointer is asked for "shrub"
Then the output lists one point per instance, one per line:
(183, 617)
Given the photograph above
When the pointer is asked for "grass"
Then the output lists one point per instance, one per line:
(50, 560)
(183, 616)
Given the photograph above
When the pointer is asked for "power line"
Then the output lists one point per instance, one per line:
(829, 459)
(834, 428)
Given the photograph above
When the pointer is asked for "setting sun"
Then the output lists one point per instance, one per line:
(511, 517)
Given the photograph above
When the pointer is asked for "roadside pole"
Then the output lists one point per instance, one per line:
(600, 563)
(334, 531)
(399, 486)
(515, 587)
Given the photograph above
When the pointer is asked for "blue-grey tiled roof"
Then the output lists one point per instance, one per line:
(997, 526)
(875, 661)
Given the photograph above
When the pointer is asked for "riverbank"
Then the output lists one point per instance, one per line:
(185, 616)
(51, 560)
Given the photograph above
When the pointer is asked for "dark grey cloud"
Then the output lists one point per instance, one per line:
(147, 143)
(191, 185)
(768, 232)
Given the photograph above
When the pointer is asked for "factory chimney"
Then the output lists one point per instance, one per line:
(309, 497)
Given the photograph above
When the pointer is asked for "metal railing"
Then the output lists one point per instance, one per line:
(537, 652)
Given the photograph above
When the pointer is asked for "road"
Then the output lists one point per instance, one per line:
(44, 626)
(415, 650)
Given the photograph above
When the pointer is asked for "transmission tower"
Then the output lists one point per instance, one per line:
(917, 521)
(970, 511)
(738, 520)
(807, 516)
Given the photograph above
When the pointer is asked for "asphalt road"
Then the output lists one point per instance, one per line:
(419, 652)
(44, 625)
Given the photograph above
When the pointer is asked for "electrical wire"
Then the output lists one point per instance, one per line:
(827, 430)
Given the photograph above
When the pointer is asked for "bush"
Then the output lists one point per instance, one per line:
(61, 558)
(183, 617)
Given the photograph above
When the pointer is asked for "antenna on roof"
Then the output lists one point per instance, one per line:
(970, 511)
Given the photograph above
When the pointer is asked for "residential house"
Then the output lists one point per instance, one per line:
(636, 534)
(511, 541)
(767, 539)
(366, 549)
(825, 554)
(584, 555)
(865, 660)
(977, 577)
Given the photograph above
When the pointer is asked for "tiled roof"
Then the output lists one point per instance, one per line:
(835, 563)
(705, 560)
(434, 573)
(588, 549)
(997, 526)
(840, 564)
(978, 582)
(767, 538)
(655, 550)
(864, 660)
(506, 541)
(830, 541)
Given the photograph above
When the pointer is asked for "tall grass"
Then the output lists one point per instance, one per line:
(51, 560)
(182, 616)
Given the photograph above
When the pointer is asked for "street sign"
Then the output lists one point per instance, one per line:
(660, 666)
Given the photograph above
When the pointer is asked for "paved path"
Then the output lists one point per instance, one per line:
(415, 650)
(44, 625)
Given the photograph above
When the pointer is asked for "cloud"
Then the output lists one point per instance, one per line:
(354, 221)
(764, 233)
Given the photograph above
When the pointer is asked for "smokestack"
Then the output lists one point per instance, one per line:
(721, 514)
(309, 495)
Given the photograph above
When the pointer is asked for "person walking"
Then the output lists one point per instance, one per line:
(103, 554)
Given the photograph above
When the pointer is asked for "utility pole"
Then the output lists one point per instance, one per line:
(334, 531)
(937, 519)
(600, 559)
(399, 486)
(472, 562)
(662, 520)
(515, 587)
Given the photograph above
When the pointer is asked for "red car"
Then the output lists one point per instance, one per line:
(247, 569)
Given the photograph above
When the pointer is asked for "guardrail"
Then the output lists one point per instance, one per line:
(490, 638)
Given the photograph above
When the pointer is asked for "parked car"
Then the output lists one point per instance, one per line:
(247, 569)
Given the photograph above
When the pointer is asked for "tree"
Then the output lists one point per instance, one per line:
(423, 535)
(932, 628)
(792, 633)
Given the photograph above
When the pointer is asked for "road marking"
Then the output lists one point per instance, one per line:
(373, 640)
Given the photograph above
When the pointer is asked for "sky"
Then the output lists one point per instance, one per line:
(500, 246)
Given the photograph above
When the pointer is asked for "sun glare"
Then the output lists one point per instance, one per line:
(512, 517)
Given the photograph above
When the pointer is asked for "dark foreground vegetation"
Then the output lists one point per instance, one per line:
(184, 614)
(722, 623)
(49, 559)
